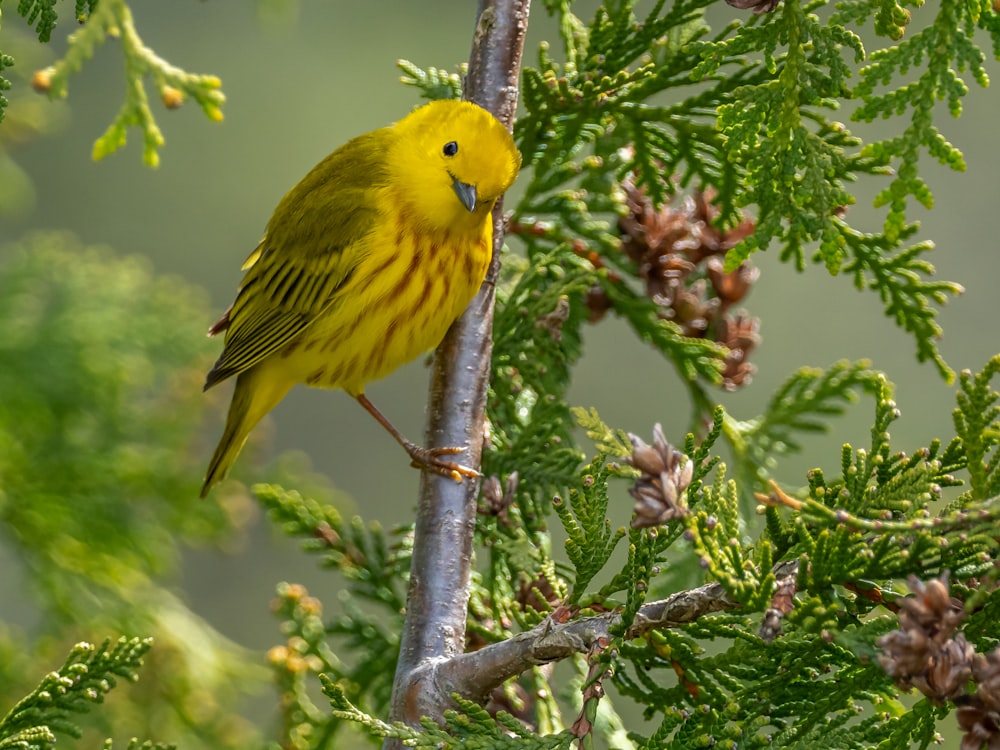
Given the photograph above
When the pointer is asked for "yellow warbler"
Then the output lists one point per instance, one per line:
(364, 265)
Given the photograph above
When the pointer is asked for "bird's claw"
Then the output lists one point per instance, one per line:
(429, 458)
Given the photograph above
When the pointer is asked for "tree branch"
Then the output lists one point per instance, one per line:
(473, 675)
(437, 600)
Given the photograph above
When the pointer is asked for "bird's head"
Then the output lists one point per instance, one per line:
(452, 160)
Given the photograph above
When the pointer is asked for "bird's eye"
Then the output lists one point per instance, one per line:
(450, 148)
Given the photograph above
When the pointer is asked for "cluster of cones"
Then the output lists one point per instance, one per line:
(928, 653)
(680, 255)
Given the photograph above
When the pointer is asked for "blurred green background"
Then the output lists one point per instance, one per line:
(301, 78)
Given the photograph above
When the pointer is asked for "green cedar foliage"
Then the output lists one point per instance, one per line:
(719, 680)
(374, 566)
(468, 727)
(749, 115)
(757, 128)
(88, 674)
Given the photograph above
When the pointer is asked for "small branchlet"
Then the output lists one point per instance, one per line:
(89, 673)
(302, 656)
(433, 83)
(593, 690)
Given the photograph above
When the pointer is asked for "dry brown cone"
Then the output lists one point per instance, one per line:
(980, 717)
(986, 673)
(981, 727)
(666, 473)
(740, 334)
(680, 258)
(669, 244)
(924, 652)
(928, 653)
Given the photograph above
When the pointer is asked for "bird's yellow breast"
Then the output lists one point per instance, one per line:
(398, 303)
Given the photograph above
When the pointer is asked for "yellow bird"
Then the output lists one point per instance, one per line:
(363, 266)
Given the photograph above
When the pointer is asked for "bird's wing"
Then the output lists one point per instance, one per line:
(280, 296)
(313, 244)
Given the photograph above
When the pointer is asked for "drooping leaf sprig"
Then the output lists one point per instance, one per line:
(590, 538)
(904, 282)
(114, 18)
(941, 51)
(797, 162)
(803, 404)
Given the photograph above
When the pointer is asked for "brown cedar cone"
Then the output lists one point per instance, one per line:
(740, 335)
(986, 672)
(680, 257)
(981, 727)
(666, 473)
(925, 653)
(537, 594)
(731, 287)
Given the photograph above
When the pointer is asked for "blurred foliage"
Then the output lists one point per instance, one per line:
(99, 447)
(101, 365)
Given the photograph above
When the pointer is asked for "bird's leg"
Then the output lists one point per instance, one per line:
(427, 458)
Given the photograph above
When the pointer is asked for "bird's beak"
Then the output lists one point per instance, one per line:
(466, 193)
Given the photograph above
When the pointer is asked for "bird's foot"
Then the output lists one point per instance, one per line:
(430, 459)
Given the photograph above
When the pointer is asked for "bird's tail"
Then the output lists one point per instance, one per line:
(255, 395)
